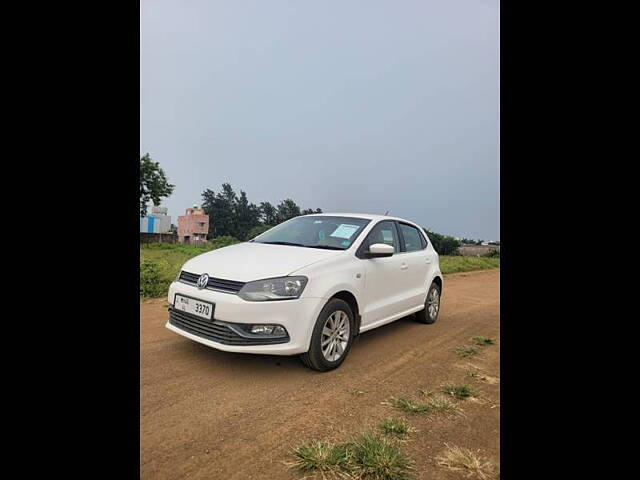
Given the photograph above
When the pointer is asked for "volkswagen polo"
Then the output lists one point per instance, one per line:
(307, 287)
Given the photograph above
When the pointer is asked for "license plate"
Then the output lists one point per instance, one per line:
(193, 306)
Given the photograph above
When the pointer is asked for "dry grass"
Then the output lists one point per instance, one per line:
(459, 392)
(433, 405)
(367, 456)
(464, 460)
(395, 427)
(467, 351)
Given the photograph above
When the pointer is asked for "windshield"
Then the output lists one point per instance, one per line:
(332, 233)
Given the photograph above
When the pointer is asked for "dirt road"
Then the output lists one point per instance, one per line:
(207, 414)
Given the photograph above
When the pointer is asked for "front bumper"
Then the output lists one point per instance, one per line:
(296, 316)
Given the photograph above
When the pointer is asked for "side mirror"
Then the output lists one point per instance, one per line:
(378, 250)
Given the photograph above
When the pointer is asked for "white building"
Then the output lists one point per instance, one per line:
(156, 222)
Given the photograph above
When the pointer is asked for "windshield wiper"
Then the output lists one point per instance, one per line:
(285, 243)
(326, 247)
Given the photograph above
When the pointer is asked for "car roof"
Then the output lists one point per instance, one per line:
(367, 216)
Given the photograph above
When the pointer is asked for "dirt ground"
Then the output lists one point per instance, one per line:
(207, 414)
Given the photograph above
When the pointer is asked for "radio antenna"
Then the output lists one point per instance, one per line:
(387, 212)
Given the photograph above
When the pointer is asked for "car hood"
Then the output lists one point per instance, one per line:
(245, 262)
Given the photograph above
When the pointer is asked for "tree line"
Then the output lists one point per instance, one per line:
(232, 214)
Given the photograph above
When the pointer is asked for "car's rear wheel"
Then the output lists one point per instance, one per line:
(431, 306)
(331, 338)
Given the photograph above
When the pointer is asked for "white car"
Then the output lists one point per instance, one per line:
(308, 286)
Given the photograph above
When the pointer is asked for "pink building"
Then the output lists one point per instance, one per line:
(193, 227)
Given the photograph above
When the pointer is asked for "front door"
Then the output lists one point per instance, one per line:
(384, 277)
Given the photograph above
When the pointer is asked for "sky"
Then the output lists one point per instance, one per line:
(346, 105)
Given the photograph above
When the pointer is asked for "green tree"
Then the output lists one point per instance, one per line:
(287, 209)
(309, 211)
(247, 216)
(257, 230)
(443, 244)
(153, 183)
(268, 214)
(220, 208)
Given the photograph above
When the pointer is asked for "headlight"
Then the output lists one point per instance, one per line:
(283, 288)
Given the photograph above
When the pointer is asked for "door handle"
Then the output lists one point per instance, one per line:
(428, 259)
(404, 266)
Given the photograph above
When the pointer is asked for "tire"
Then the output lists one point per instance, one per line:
(429, 314)
(342, 327)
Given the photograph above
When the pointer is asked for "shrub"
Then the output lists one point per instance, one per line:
(443, 244)
(152, 281)
(257, 230)
(219, 242)
(493, 254)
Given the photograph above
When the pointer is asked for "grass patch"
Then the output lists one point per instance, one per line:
(455, 264)
(367, 456)
(483, 341)
(459, 392)
(394, 427)
(462, 459)
(467, 351)
(408, 406)
(433, 405)
(161, 262)
(321, 456)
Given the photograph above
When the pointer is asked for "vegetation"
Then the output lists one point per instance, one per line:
(258, 230)
(394, 427)
(153, 183)
(368, 456)
(160, 263)
(457, 264)
(153, 282)
(462, 459)
(492, 254)
(443, 244)
(431, 406)
(459, 392)
(467, 351)
(235, 216)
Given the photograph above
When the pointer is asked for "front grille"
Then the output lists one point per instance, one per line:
(218, 284)
(215, 330)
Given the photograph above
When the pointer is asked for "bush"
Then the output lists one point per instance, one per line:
(493, 254)
(443, 244)
(152, 281)
(257, 230)
(219, 242)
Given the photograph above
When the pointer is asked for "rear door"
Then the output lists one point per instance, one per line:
(417, 263)
(384, 286)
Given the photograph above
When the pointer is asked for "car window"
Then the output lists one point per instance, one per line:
(412, 238)
(384, 232)
(319, 231)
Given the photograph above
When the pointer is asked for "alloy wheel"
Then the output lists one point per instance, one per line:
(433, 303)
(335, 335)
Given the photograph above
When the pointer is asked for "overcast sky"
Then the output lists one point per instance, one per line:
(350, 106)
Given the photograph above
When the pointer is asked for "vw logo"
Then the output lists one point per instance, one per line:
(202, 281)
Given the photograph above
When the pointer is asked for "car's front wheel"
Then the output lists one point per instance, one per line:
(332, 337)
(431, 306)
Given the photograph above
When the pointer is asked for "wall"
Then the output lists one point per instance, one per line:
(158, 237)
(475, 250)
(155, 223)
